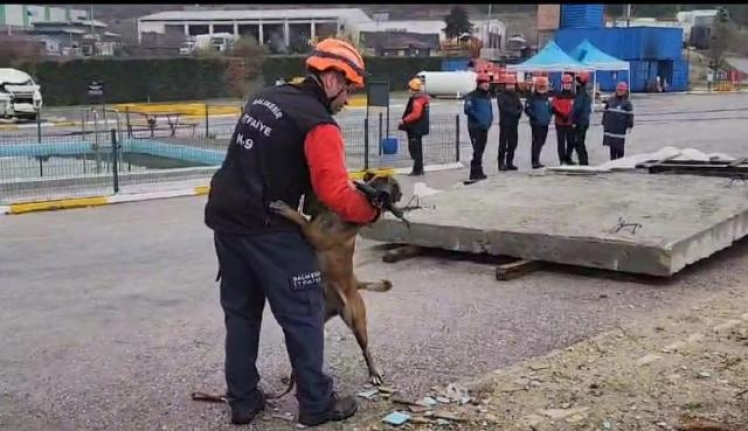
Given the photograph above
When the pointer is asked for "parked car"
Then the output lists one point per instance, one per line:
(20, 96)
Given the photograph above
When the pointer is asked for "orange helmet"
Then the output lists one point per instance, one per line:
(583, 77)
(510, 79)
(482, 77)
(338, 55)
(567, 79)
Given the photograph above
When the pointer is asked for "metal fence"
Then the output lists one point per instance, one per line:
(106, 152)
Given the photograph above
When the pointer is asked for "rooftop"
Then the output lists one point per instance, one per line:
(354, 14)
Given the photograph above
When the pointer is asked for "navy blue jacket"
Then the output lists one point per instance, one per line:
(478, 110)
(580, 114)
(617, 118)
(538, 109)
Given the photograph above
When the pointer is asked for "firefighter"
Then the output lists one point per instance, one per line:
(538, 110)
(580, 119)
(415, 122)
(618, 119)
(510, 111)
(562, 110)
(285, 145)
(479, 112)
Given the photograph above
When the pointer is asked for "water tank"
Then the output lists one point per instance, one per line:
(448, 84)
(582, 16)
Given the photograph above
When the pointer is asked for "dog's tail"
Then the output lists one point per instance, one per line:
(375, 286)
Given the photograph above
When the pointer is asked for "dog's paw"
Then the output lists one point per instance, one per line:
(278, 207)
(375, 378)
(386, 285)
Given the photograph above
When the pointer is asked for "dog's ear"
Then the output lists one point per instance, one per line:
(368, 176)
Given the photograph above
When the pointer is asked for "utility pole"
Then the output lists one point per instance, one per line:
(628, 15)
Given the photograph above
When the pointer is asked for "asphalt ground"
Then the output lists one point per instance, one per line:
(110, 316)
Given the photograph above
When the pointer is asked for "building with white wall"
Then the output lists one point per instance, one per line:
(257, 23)
(261, 23)
(19, 16)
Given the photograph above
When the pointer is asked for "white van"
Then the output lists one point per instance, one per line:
(20, 97)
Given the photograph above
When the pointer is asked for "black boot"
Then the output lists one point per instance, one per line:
(502, 166)
(339, 409)
(243, 413)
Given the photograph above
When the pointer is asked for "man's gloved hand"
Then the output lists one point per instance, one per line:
(377, 198)
(401, 126)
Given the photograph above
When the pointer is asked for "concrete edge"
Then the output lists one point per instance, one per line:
(95, 201)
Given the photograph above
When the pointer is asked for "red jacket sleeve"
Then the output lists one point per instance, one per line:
(324, 153)
(417, 111)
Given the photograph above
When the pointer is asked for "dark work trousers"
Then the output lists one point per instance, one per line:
(415, 148)
(616, 150)
(539, 135)
(282, 267)
(508, 139)
(564, 137)
(578, 145)
(478, 138)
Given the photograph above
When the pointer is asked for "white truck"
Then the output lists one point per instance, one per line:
(20, 96)
(217, 41)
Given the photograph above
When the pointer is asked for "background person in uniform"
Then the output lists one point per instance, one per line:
(510, 111)
(415, 122)
(479, 112)
(562, 110)
(538, 110)
(285, 145)
(618, 119)
(580, 119)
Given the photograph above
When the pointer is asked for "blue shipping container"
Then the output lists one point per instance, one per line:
(452, 65)
(642, 73)
(680, 78)
(582, 15)
(608, 79)
(634, 43)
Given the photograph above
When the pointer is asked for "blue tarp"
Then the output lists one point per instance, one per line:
(590, 55)
(550, 59)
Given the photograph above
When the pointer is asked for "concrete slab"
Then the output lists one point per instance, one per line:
(574, 220)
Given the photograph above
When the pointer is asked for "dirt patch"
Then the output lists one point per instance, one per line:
(687, 370)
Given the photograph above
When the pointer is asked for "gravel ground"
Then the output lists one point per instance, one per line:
(111, 316)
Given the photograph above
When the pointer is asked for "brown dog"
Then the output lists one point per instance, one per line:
(335, 241)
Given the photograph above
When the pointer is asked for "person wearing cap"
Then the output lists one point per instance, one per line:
(618, 119)
(479, 112)
(510, 111)
(562, 111)
(415, 122)
(538, 110)
(580, 119)
(285, 145)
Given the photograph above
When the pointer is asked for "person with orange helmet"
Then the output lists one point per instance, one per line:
(415, 123)
(580, 119)
(562, 110)
(538, 110)
(286, 145)
(479, 112)
(510, 112)
(618, 119)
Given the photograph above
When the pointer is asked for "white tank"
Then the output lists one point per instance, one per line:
(448, 84)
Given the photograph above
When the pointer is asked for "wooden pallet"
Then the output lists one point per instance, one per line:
(510, 268)
(507, 268)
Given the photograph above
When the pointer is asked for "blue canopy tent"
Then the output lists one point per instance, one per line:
(550, 59)
(590, 55)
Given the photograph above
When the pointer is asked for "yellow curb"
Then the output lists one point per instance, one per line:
(357, 175)
(202, 190)
(57, 205)
(358, 101)
(8, 127)
(63, 123)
